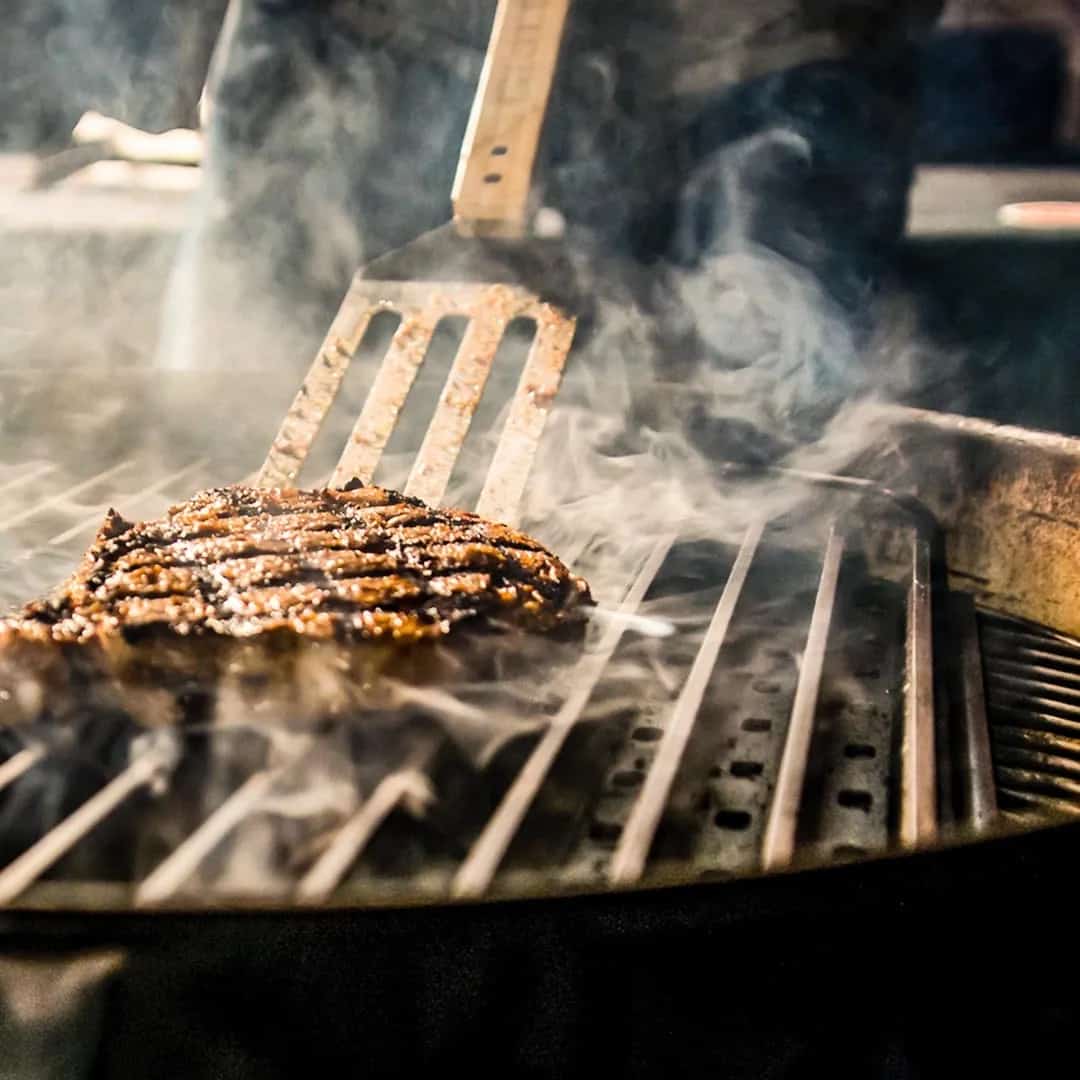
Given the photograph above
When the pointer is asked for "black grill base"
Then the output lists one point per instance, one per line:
(890, 969)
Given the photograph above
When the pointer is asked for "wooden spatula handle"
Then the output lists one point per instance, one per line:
(491, 190)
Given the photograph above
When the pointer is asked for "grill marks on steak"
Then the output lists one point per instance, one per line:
(359, 563)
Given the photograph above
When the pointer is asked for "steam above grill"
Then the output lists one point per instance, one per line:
(777, 719)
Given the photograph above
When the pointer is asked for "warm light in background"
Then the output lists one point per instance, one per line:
(1041, 216)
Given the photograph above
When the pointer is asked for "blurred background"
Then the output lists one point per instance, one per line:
(90, 221)
(103, 177)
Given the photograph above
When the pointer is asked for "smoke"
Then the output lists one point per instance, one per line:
(85, 258)
(733, 351)
(308, 163)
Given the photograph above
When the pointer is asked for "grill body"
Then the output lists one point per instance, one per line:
(786, 716)
(843, 960)
(838, 968)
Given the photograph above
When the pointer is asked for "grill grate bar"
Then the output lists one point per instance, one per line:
(779, 841)
(978, 766)
(995, 622)
(19, 764)
(146, 769)
(1005, 695)
(918, 790)
(1048, 742)
(477, 871)
(171, 874)
(1037, 687)
(63, 496)
(1032, 718)
(354, 836)
(151, 489)
(1055, 643)
(31, 474)
(1049, 764)
(1026, 802)
(1059, 663)
(637, 837)
(1038, 783)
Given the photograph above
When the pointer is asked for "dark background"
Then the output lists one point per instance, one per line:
(1001, 308)
(965, 967)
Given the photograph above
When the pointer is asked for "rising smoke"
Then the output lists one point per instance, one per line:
(739, 352)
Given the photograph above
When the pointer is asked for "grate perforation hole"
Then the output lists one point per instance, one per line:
(747, 770)
(855, 799)
(736, 820)
(605, 832)
(859, 751)
(757, 724)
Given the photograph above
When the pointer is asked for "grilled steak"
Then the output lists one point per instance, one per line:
(289, 606)
(362, 563)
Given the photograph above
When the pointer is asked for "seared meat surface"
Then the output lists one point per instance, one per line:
(358, 564)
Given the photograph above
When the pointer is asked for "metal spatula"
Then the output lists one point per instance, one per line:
(491, 203)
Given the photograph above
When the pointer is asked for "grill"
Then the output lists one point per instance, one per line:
(795, 719)
(862, 675)
(1033, 706)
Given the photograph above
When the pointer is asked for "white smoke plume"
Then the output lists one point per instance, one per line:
(743, 355)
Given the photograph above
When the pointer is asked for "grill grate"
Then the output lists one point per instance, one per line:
(793, 721)
(41, 537)
(1032, 686)
(799, 751)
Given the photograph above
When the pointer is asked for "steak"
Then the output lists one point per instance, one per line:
(245, 617)
(358, 564)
